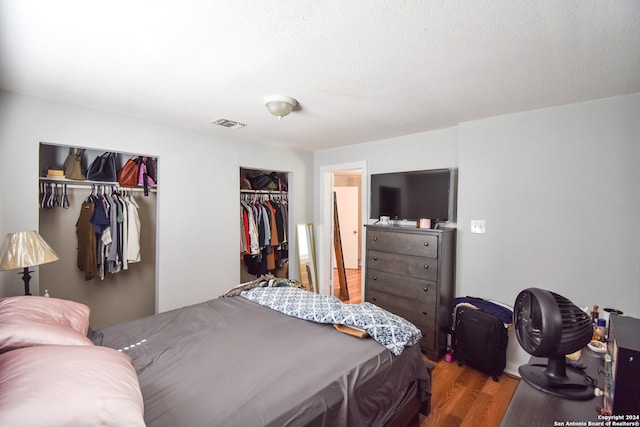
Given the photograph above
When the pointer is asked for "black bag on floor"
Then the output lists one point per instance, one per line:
(480, 341)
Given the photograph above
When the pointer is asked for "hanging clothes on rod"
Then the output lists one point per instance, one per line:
(108, 232)
(54, 193)
(263, 222)
(86, 235)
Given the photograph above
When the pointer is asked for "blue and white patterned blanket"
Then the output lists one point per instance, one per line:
(390, 330)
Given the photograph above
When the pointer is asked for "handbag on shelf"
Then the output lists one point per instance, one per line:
(73, 165)
(151, 163)
(265, 181)
(143, 177)
(134, 173)
(103, 168)
(128, 175)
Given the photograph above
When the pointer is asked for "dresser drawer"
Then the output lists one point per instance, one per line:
(422, 316)
(428, 329)
(418, 267)
(403, 243)
(422, 291)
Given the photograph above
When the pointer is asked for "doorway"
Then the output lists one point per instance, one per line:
(347, 188)
(347, 183)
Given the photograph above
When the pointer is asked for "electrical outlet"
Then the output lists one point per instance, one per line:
(478, 226)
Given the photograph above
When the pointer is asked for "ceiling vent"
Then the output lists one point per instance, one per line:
(228, 123)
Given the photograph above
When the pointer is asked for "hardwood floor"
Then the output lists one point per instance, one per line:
(461, 396)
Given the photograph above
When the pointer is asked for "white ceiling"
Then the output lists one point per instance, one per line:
(360, 70)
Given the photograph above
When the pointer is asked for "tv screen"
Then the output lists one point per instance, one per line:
(412, 195)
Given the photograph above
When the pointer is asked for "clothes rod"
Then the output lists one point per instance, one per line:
(136, 189)
(263, 191)
(93, 184)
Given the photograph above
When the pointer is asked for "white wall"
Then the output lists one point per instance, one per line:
(431, 150)
(198, 228)
(559, 189)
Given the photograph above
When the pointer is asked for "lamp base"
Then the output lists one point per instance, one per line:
(26, 277)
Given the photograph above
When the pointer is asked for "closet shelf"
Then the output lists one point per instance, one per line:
(72, 183)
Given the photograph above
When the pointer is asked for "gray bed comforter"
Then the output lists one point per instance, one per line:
(231, 362)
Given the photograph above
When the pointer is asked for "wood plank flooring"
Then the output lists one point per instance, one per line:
(461, 395)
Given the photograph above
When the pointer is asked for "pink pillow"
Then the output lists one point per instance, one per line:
(33, 320)
(69, 386)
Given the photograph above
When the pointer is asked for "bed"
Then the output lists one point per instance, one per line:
(228, 361)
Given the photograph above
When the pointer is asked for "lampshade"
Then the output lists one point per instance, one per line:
(280, 105)
(25, 249)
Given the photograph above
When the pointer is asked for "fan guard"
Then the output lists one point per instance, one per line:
(549, 325)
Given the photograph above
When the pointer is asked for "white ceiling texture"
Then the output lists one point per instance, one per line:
(361, 70)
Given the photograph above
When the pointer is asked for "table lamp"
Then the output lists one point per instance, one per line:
(23, 250)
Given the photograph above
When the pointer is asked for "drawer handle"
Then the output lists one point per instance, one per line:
(424, 312)
(426, 289)
(426, 243)
(375, 277)
(375, 239)
(375, 258)
(373, 299)
(426, 267)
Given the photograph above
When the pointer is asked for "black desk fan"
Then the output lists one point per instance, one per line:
(549, 325)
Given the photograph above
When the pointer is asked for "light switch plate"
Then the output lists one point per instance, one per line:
(478, 226)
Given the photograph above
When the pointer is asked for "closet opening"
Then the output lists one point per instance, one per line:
(117, 290)
(264, 223)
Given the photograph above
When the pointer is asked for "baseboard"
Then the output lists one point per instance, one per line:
(512, 370)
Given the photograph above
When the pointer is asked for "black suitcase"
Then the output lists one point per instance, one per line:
(480, 341)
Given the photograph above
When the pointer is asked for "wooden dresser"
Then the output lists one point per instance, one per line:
(410, 272)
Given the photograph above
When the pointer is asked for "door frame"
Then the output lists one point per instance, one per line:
(325, 232)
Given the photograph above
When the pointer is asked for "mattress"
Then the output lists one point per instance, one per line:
(232, 362)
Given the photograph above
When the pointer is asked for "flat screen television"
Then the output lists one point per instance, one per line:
(413, 195)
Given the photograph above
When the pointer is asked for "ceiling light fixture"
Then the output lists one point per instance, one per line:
(280, 105)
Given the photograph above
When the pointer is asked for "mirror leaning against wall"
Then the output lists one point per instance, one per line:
(307, 256)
